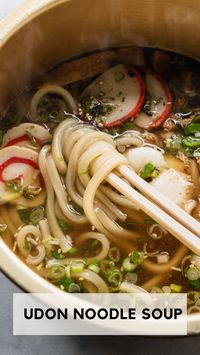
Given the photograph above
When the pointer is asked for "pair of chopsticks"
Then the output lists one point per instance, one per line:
(166, 213)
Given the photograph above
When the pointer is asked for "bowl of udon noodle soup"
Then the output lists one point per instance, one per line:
(86, 89)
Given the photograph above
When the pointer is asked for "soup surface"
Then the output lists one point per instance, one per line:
(62, 138)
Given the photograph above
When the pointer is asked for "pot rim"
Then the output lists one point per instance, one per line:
(11, 265)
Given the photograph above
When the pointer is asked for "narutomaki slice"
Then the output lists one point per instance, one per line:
(114, 96)
(26, 134)
(158, 102)
(18, 168)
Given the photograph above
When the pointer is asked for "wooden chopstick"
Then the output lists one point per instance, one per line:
(183, 234)
(157, 197)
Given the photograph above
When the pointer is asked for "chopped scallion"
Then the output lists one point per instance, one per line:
(74, 288)
(149, 171)
(106, 267)
(115, 278)
(63, 226)
(114, 254)
(128, 265)
(64, 283)
(175, 288)
(36, 215)
(57, 255)
(73, 250)
(15, 185)
(56, 272)
(77, 267)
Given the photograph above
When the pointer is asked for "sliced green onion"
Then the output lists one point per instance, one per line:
(191, 142)
(192, 128)
(131, 277)
(106, 266)
(94, 268)
(192, 273)
(36, 215)
(63, 226)
(175, 288)
(64, 283)
(114, 254)
(115, 278)
(148, 171)
(77, 267)
(57, 255)
(3, 227)
(56, 272)
(27, 193)
(136, 257)
(74, 288)
(195, 284)
(24, 215)
(128, 265)
(73, 250)
(15, 185)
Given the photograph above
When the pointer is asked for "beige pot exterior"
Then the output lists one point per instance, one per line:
(42, 33)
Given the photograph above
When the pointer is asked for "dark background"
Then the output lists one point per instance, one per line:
(80, 345)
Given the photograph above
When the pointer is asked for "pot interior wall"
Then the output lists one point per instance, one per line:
(68, 28)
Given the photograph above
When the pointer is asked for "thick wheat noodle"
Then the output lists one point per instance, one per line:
(61, 194)
(164, 268)
(57, 144)
(52, 89)
(65, 243)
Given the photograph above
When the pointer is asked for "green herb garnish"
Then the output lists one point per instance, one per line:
(192, 128)
(149, 171)
(57, 255)
(63, 226)
(65, 283)
(28, 194)
(15, 185)
(36, 215)
(73, 250)
(136, 258)
(191, 142)
(31, 215)
(195, 284)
